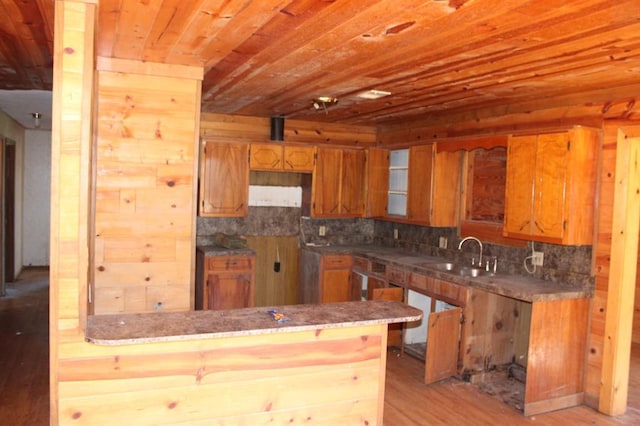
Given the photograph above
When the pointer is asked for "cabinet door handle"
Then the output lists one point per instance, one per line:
(538, 226)
(524, 224)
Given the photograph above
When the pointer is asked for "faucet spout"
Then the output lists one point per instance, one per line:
(479, 244)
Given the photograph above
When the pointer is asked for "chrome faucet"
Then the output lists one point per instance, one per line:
(479, 243)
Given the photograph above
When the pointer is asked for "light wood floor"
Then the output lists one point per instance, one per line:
(24, 374)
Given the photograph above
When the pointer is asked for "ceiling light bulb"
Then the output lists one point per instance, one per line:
(36, 119)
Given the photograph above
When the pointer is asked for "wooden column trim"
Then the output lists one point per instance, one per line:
(71, 138)
(622, 273)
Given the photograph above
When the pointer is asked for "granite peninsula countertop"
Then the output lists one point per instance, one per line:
(518, 287)
(174, 326)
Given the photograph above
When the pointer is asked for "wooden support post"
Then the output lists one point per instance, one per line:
(73, 60)
(622, 273)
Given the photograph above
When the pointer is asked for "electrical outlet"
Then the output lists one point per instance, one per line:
(537, 258)
(443, 242)
(395, 234)
(322, 230)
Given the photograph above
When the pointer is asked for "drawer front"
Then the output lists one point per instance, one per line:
(396, 275)
(450, 291)
(361, 264)
(230, 263)
(339, 261)
(422, 282)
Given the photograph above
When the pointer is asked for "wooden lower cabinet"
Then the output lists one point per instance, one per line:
(325, 278)
(547, 338)
(335, 278)
(438, 337)
(224, 282)
(470, 332)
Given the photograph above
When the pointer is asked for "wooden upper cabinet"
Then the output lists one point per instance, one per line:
(377, 182)
(299, 158)
(353, 182)
(550, 187)
(432, 190)
(266, 156)
(279, 157)
(338, 183)
(445, 188)
(419, 201)
(224, 179)
(433, 196)
(326, 183)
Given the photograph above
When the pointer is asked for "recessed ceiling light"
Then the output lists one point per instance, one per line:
(373, 94)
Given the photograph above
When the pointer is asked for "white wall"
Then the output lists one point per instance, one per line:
(36, 198)
(14, 131)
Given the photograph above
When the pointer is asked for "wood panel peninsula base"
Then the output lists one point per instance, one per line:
(326, 365)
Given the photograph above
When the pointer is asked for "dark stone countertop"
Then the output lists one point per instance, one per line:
(213, 250)
(517, 287)
(174, 326)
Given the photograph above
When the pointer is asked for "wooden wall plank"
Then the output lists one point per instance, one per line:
(145, 183)
(257, 129)
(622, 276)
(73, 86)
(254, 378)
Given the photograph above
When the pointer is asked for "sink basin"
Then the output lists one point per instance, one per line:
(466, 271)
(469, 271)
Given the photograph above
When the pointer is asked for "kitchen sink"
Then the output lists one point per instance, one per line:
(454, 268)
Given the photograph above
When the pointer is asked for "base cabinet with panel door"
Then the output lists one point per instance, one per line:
(438, 337)
(547, 338)
(474, 333)
(369, 281)
(224, 281)
(325, 278)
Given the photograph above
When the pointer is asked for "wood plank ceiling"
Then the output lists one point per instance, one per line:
(438, 57)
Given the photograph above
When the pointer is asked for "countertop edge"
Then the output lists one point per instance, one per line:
(125, 329)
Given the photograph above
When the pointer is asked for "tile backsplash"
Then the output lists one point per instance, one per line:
(569, 264)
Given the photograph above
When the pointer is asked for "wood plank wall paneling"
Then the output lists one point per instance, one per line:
(602, 252)
(246, 379)
(146, 154)
(506, 119)
(622, 273)
(601, 260)
(636, 315)
(257, 129)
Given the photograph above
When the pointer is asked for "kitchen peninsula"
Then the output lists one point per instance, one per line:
(237, 366)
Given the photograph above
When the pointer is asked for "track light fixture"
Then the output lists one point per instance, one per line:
(323, 102)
